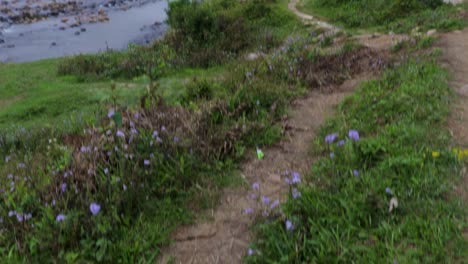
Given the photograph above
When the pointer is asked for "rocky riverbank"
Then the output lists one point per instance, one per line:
(38, 29)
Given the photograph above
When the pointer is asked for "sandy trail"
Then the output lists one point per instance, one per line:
(455, 46)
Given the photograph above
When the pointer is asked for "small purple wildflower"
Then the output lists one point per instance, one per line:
(146, 162)
(7, 159)
(252, 196)
(265, 200)
(106, 171)
(256, 186)
(94, 208)
(250, 252)
(54, 202)
(388, 190)
(19, 217)
(111, 113)
(21, 165)
(331, 138)
(85, 149)
(353, 134)
(163, 128)
(295, 193)
(124, 187)
(158, 139)
(155, 134)
(60, 218)
(120, 134)
(133, 131)
(274, 204)
(176, 139)
(136, 115)
(340, 143)
(10, 176)
(289, 225)
(248, 211)
(11, 213)
(63, 187)
(356, 173)
(296, 177)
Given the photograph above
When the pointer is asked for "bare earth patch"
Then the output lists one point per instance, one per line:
(455, 46)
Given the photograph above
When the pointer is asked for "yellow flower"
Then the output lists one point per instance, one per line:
(435, 154)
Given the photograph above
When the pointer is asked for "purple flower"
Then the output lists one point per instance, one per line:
(155, 134)
(274, 204)
(53, 202)
(256, 186)
(158, 139)
(11, 213)
(106, 171)
(85, 149)
(163, 128)
(252, 196)
(60, 218)
(353, 134)
(124, 187)
(134, 131)
(356, 173)
(265, 200)
(340, 143)
(94, 208)
(250, 252)
(289, 225)
(10, 176)
(136, 115)
(176, 139)
(248, 210)
(146, 162)
(331, 138)
(20, 217)
(7, 159)
(111, 113)
(21, 165)
(388, 190)
(295, 193)
(120, 134)
(296, 177)
(63, 187)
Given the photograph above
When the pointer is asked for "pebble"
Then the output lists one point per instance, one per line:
(77, 33)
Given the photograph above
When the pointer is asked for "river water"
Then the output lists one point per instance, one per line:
(88, 27)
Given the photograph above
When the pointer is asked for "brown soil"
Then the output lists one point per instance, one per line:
(225, 238)
(455, 47)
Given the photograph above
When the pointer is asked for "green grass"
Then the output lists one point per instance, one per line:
(344, 218)
(400, 16)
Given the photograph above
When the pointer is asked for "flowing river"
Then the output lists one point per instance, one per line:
(39, 29)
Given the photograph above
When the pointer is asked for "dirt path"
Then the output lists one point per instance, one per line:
(308, 19)
(225, 238)
(455, 46)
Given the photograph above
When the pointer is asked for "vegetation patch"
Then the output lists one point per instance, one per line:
(382, 190)
(400, 16)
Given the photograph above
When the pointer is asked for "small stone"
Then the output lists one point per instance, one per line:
(53, 44)
(431, 32)
(2, 41)
(83, 29)
(62, 28)
(77, 33)
(10, 46)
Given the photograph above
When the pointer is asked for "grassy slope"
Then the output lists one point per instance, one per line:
(378, 15)
(342, 218)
